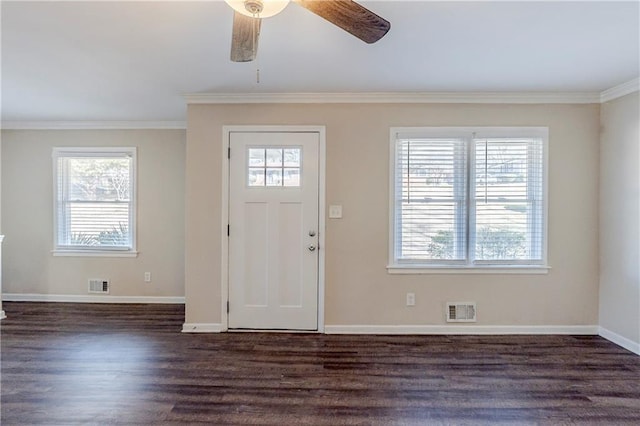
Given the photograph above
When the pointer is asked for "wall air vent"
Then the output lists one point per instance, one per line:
(461, 312)
(97, 285)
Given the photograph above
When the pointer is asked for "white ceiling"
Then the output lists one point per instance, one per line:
(75, 61)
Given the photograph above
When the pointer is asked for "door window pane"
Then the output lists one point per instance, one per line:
(256, 157)
(274, 157)
(274, 177)
(292, 157)
(256, 176)
(274, 167)
(291, 177)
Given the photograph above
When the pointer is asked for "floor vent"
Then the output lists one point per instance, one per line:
(98, 286)
(461, 312)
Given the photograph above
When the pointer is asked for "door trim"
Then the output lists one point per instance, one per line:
(224, 279)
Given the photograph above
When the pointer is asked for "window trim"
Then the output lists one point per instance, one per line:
(467, 266)
(96, 152)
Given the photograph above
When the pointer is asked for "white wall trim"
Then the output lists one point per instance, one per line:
(93, 253)
(444, 270)
(196, 327)
(93, 125)
(397, 98)
(462, 329)
(620, 90)
(2, 314)
(620, 340)
(224, 238)
(78, 298)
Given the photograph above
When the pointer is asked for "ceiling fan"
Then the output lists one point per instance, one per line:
(346, 14)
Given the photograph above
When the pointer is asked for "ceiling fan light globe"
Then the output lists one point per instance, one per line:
(248, 7)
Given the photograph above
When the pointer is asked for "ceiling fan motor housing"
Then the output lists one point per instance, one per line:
(258, 8)
(254, 7)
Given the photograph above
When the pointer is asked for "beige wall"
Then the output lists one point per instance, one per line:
(27, 215)
(620, 217)
(359, 290)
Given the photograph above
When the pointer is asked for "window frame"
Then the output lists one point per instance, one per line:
(468, 265)
(266, 167)
(96, 152)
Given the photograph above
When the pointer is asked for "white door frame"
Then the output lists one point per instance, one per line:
(224, 279)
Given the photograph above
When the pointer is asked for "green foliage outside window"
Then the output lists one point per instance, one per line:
(491, 243)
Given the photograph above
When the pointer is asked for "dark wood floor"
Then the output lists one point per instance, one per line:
(66, 364)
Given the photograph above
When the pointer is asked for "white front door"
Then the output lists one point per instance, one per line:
(273, 230)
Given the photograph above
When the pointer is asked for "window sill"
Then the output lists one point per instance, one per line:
(95, 253)
(498, 270)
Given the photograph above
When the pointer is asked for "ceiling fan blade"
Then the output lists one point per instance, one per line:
(350, 16)
(244, 40)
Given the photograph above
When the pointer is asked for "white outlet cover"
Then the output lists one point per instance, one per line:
(335, 212)
(411, 299)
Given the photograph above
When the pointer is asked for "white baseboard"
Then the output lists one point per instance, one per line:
(76, 298)
(196, 327)
(461, 329)
(620, 340)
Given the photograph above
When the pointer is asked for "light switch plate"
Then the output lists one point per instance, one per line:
(335, 212)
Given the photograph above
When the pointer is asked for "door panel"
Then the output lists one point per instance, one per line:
(273, 216)
(255, 223)
(291, 238)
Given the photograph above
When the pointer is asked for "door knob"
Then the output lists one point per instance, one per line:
(312, 247)
(312, 233)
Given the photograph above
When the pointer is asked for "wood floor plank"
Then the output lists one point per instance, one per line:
(68, 364)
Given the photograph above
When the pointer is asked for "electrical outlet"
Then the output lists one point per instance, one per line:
(411, 299)
(147, 277)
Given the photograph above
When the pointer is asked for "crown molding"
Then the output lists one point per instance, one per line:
(93, 125)
(340, 98)
(397, 98)
(620, 90)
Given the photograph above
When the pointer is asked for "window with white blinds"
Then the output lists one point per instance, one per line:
(466, 197)
(94, 199)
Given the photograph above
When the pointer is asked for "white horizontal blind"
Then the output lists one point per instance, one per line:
(508, 201)
(94, 199)
(468, 197)
(430, 200)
